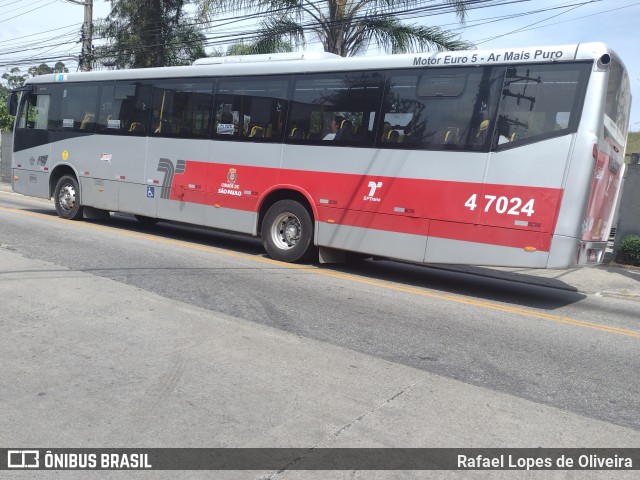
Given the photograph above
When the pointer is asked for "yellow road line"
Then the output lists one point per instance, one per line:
(346, 276)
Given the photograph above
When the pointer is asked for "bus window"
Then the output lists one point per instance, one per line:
(124, 109)
(182, 109)
(336, 109)
(35, 112)
(250, 109)
(539, 102)
(79, 106)
(618, 96)
(440, 109)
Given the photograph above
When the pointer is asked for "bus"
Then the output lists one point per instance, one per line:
(502, 157)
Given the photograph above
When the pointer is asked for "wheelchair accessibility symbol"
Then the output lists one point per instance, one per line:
(151, 192)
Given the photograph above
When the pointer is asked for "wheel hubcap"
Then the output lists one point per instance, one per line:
(286, 230)
(67, 197)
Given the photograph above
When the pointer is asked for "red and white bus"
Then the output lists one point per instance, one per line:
(508, 157)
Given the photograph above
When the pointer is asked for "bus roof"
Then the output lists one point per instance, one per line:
(322, 62)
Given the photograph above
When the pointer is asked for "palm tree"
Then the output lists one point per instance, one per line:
(148, 33)
(347, 27)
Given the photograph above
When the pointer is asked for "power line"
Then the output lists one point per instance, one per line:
(532, 24)
(222, 36)
(30, 11)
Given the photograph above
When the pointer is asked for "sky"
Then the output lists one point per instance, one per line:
(53, 25)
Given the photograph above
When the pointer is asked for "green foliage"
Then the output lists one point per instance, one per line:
(44, 69)
(14, 77)
(6, 120)
(345, 28)
(629, 250)
(148, 33)
(264, 45)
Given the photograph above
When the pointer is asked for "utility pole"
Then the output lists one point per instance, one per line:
(87, 35)
(86, 56)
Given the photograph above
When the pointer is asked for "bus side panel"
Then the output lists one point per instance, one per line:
(31, 167)
(99, 193)
(133, 194)
(381, 202)
(576, 183)
(446, 250)
(31, 183)
(137, 199)
(176, 169)
(236, 181)
(107, 167)
(384, 243)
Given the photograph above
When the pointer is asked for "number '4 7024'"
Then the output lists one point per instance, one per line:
(502, 205)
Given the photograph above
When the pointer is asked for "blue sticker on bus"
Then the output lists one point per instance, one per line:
(151, 192)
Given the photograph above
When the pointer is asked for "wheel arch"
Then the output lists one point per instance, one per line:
(60, 171)
(284, 193)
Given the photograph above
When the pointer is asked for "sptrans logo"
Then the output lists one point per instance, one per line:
(373, 186)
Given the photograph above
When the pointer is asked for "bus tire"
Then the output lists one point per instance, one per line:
(66, 197)
(287, 232)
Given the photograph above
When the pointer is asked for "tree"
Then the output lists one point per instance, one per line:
(15, 78)
(254, 48)
(6, 120)
(148, 33)
(43, 69)
(346, 27)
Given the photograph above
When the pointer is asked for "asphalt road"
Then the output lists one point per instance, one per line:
(574, 353)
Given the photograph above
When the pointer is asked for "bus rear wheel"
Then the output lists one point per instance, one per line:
(67, 198)
(287, 232)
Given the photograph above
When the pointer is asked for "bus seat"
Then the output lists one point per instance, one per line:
(136, 127)
(88, 118)
(344, 133)
(480, 137)
(451, 136)
(393, 136)
(257, 131)
(297, 133)
(439, 137)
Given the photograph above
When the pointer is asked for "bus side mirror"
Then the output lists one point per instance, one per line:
(12, 103)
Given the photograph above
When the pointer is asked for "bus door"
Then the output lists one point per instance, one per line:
(178, 148)
(31, 147)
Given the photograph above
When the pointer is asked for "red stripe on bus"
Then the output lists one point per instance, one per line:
(508, 215)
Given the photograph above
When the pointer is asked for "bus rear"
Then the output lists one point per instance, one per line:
(608, 156)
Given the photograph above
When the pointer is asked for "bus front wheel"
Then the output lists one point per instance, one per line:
(67, 198)
(287, 232)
